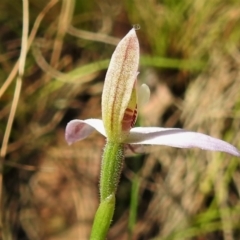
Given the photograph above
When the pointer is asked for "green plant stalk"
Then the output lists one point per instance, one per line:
(103, 218)
(133, 206)
(111, 168)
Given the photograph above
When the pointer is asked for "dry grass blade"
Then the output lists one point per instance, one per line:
(63, 23)
(99, 37)
(30, 40)
(22, 60)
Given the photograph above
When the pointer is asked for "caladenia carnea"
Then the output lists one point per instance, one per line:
(119, 112)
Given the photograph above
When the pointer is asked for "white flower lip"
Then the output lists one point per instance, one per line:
(77, 130)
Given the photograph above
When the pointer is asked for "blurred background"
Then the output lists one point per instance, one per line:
(191, 61)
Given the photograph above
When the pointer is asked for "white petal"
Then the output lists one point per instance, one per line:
(180, 138)
(77, 130)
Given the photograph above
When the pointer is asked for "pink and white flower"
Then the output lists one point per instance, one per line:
(119, 110)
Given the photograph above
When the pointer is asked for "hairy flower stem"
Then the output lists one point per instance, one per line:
(112, 160)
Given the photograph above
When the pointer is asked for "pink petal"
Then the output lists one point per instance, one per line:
(180, 138)
(77, 130)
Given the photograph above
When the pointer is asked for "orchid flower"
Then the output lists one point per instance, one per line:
(119, 110)
(120, 101)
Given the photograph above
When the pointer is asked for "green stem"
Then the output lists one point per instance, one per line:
(111, 169)
(112, 160)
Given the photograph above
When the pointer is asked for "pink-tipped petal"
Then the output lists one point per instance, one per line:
(180, 138)
(77, 130)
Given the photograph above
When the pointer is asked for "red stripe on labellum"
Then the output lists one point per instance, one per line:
(129, 119)
(134, 116)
